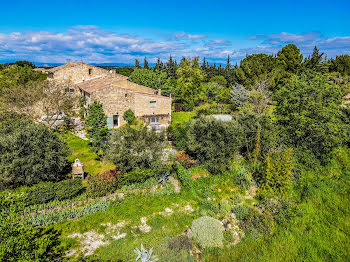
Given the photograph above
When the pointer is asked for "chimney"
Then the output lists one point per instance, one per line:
(159, 91)
(68, 61)
(114, 73)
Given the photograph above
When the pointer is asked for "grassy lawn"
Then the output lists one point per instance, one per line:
(81, 149)
(181, 117)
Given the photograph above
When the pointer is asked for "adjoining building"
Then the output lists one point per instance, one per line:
(116, 94)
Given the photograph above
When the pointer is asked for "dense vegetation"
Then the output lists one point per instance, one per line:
(269, 183)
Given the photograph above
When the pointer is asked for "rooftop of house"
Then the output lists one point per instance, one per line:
(100, 83)
(68, 65)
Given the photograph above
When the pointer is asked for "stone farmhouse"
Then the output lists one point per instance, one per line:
(116, 93)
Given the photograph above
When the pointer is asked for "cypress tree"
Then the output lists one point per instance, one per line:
(137, 64)
(145, 64)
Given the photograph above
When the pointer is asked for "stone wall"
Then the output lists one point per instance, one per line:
(117, 100)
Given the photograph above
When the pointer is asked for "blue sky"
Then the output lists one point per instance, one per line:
(121, 31)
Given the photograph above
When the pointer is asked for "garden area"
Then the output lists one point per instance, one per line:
(269, 183)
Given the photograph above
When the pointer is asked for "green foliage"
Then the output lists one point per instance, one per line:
(185, 160)
(278, 171)
(22, 242)
(126, 71)
(213, 143)
(16, 75)
(44, 192)
(30, 153)
(129, 116)
(207, 232)
(184, 176)
(314, 62)
(176, 250)
(138, 176)
(56, 217)
(290, 58)
(211, 109)
(131, 148)
(241, 212)
(148, 78)
(241, 177)
(178, 134)
(188, 89)
(309, 113)
(103, 184)
(340, 64)
(254, 67)
(96, 122)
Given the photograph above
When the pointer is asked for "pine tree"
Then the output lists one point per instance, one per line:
(315, 60)
(145, 64)
(228, 64)
(137, 64)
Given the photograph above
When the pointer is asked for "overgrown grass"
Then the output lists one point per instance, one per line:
(181, 117)
(81, 149)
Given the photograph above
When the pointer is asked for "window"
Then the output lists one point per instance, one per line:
(126, 95)
(152, 103)
(90, 71)
(69, 90)
(153, 120)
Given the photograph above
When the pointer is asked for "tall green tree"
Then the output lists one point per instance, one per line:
(145, 64)
(310, 115)
(315, 60)
(96, 121)
(290, 58)
(137, 64)
(189, 89)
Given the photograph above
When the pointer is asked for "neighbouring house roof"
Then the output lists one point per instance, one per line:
(71, 64)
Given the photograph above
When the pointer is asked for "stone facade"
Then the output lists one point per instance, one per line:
(116, 93)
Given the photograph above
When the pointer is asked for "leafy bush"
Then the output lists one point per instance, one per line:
(225, 206)
(214, 142)
(44, 192)
(103, 184)
(129, 116)
(184, 176)
(178, 134)
(176, 249)
(207, 232)
(185, 160)
(23, 242)
(241, 212)
(138, 176)
(241, 177)
(131, 148)
(30, 153)
(209, 206)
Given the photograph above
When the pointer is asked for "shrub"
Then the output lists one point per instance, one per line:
(214, 142)
(241, 212)
(184, 176)
(178, 134)
(30, 153)
(207, 232)
(137, 176)
(103, 184)
(278, 171)
(185, 160)
(209, 205)
(131, 148)
(241, 177)
(129, 116)
(225, 206)
(44, 192)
